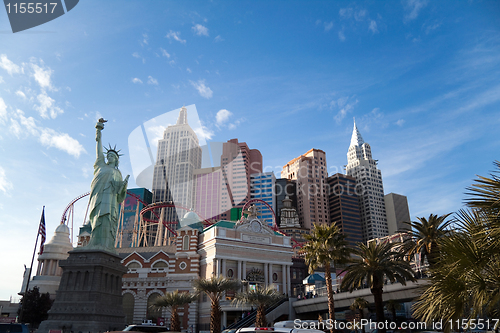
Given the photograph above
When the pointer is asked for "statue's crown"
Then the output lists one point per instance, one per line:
(113, 150)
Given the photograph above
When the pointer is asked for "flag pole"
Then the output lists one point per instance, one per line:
(42, 219)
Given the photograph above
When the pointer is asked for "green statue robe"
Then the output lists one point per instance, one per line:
(108, 190)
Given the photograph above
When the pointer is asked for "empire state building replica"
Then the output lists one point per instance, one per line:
(178, 155)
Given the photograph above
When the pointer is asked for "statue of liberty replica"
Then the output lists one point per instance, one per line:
(89, 298)
(108, 190)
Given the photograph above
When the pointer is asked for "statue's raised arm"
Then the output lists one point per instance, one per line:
(99, 127)
(108, 190)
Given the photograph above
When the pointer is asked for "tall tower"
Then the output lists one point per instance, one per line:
(238, 162)
(310, 172)
(369, 187)
(178, 155)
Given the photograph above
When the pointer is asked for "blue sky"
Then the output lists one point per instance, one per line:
(420, 77)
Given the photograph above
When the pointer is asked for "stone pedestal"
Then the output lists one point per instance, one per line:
(89, 298)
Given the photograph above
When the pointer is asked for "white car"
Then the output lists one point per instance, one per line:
(276, 330)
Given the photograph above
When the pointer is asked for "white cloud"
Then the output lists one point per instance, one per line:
(62, 141)
(203, 90)
(145, 39)
(47, 106)
(342, 35)
(345, 107)
(413, 7)
(360, 15)
(222, 117)
(373, 27)
(345, 12)
(164, 53)
(204, 133)
(1, 80)
(15, 128)
(218, 39)
(21, 94)
(42, 76)
(328, 26)
(188, 70)
(430, 28)
(8, 65)
(152, 80)
(3, 110)
(175, 36)
(136, 80)
(400, 122)
(5, 185)
(200, 30)
(138, 56)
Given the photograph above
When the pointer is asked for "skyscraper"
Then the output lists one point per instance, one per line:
(208, 193)
(178, 155)
(369, 187)
(262, 187)
(310, 172)
(238, 162)
(344, 207)
(396, 206)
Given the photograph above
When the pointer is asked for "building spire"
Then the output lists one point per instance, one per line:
(182, 116)
(356, 138)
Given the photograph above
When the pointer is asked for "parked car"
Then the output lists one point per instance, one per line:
(145, 328)
(276, 330)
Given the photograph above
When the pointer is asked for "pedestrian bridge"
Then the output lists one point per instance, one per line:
(343, 300)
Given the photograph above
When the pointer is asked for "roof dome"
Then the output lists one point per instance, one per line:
(189, 218)
(59, 245)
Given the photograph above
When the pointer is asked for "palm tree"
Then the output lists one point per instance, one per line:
(425, 237)
(374, 263)
(174, 300)
(215, 288)
(393, 305)
(325, 246)
(359, 305)
(261, 298)
(466, 283)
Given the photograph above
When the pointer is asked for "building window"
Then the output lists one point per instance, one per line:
(275, 277)
(185, 243)
(230, 273)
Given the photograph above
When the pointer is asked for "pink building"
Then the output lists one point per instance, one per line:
(208, 182)
(238, 162)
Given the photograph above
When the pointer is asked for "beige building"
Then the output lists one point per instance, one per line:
(48, 274)
(310, 172)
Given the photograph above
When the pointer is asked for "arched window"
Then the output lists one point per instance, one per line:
(185, 243)
(153, 312)
(132, 267)
(128, 308)
(159, 266)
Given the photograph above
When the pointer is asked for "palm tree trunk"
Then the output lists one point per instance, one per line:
(260, 320)
(329, 291)
(175, 324)
(361, 317)
(215, 317)
(393, 310)
(379, 305)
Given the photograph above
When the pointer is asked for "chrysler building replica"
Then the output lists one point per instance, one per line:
(369, 187)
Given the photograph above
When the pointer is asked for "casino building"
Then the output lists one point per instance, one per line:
(245, 250)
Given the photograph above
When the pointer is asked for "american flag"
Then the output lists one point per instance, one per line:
(41, 230)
